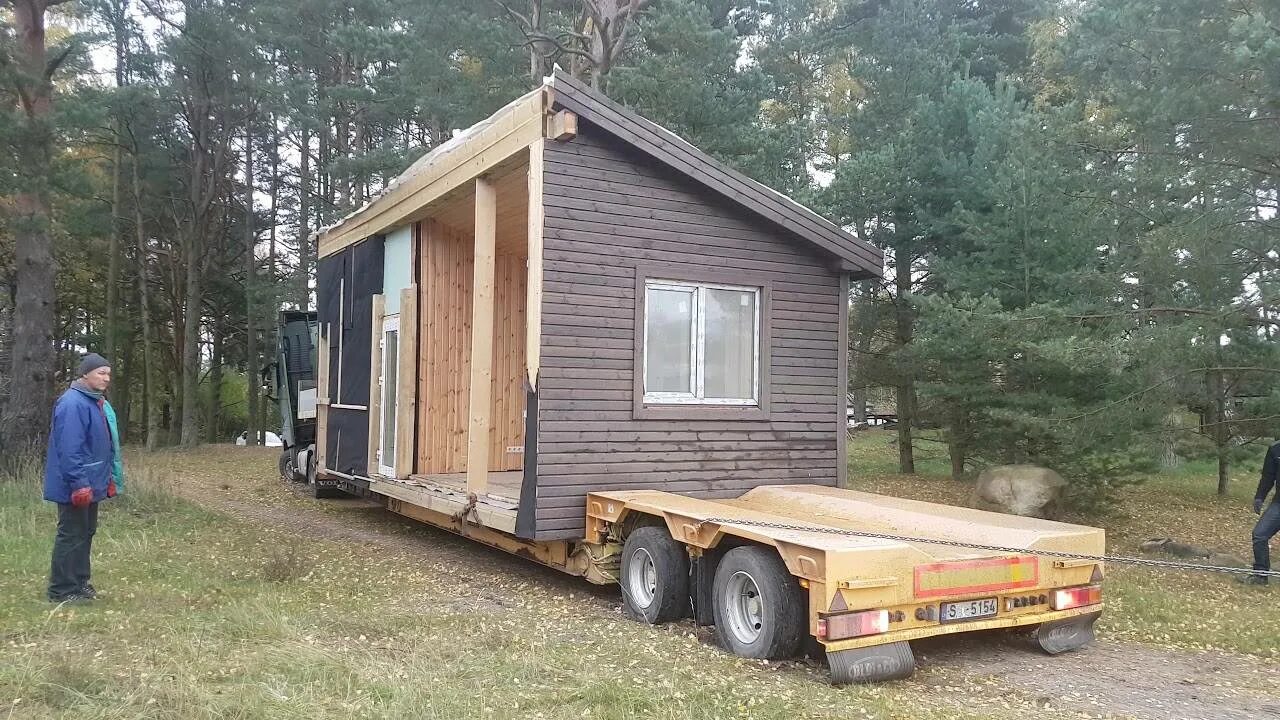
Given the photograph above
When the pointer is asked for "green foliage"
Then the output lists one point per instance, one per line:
(1034, 385)
(1082, 195)
(724, 109)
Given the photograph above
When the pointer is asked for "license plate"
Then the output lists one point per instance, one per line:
(967, 610)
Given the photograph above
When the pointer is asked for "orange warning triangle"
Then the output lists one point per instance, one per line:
(837, 603)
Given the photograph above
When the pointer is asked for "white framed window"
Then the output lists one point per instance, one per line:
(390, 343)
(701, 343)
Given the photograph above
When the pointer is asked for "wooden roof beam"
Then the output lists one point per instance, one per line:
(445, 169)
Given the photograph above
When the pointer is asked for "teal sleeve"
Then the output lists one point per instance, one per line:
(117, 458)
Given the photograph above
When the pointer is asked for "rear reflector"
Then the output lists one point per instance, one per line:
(971, 577)
(1077, 597)
(850, 625)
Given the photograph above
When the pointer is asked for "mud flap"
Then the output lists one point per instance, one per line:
(893, 661)
(1061, 636)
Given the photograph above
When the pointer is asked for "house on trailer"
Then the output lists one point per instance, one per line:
(568, 298)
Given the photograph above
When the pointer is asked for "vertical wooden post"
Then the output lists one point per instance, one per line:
(482, 337)
(375, 386)
(842, 388)
(533, 289)
(406, 392)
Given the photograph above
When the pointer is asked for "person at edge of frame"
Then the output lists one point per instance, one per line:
(1269, 522)
(80, 472)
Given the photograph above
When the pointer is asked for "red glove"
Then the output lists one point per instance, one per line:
(111, 488)
(82, 497)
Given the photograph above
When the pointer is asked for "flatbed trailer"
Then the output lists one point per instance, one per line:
(772, 571)
(569, 334)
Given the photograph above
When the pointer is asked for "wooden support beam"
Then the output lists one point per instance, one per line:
(407, 382)
(562, 126)
(441, 171)
(375, 386)
(482, 302)
(533, 287)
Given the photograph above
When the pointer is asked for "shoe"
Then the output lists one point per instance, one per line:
(1252, 580)
(89, 591)
(74, 598)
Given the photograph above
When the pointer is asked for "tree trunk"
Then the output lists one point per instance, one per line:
(860, 359)
(303, 298)
(957, 434)
(112, 329)
(250, 284)
(144, 306)
(213, 412)
(1169, 442)
(535, 46)
(191, 345)
(1221, 431)
(275, 205)
(26, 420)
(116, 249)
(906, 390)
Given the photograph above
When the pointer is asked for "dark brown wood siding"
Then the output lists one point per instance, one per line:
(608, 211)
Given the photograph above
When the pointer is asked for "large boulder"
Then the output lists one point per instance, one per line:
(1020, 490)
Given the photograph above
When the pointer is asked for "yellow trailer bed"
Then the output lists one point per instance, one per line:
(785, 567)
(866, 597)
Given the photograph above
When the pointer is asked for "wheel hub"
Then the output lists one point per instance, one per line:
(642, 578)
(745, 607)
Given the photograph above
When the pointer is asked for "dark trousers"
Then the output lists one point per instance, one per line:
(69, 571)
(1268, 525)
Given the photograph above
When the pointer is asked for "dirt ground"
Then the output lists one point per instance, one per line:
(1109, 679)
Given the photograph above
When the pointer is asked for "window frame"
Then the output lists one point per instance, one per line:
(694, 405)
(390, 323)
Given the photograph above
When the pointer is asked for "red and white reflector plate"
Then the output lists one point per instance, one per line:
(851, 625)
(966, 577)
(1076, 597)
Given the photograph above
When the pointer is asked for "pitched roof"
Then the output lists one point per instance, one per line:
(517, 124)
(859, 258)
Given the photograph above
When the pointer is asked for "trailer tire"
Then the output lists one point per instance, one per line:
(759, 607)
(654, 576)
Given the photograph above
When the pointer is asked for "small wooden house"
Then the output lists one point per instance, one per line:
(567, 298)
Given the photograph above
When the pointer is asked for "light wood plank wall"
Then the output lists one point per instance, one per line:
(444, 368)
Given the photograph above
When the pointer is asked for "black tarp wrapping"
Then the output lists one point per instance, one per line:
(346, 283)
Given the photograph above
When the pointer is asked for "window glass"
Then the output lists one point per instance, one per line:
(390, 363)
(669, 344)
(729, 370)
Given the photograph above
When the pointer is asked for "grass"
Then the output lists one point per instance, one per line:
(208, 616)
(1177, 609)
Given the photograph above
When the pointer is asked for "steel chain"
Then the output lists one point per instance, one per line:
(1116, 559)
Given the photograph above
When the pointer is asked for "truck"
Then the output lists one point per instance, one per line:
(292, 387)
(567, 333)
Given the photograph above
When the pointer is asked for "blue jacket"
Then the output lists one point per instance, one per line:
(80, 449)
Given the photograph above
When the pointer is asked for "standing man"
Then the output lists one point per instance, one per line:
(1269, 524)
(78, 474)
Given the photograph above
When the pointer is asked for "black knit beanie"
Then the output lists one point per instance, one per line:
(91, 362)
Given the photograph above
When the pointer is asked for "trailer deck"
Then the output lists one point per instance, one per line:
(913, 581)
(864, 598)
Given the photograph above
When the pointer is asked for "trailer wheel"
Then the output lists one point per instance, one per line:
(759, 607)
(654, 576)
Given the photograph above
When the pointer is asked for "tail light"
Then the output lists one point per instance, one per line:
(1077, 597)
(851, 625)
